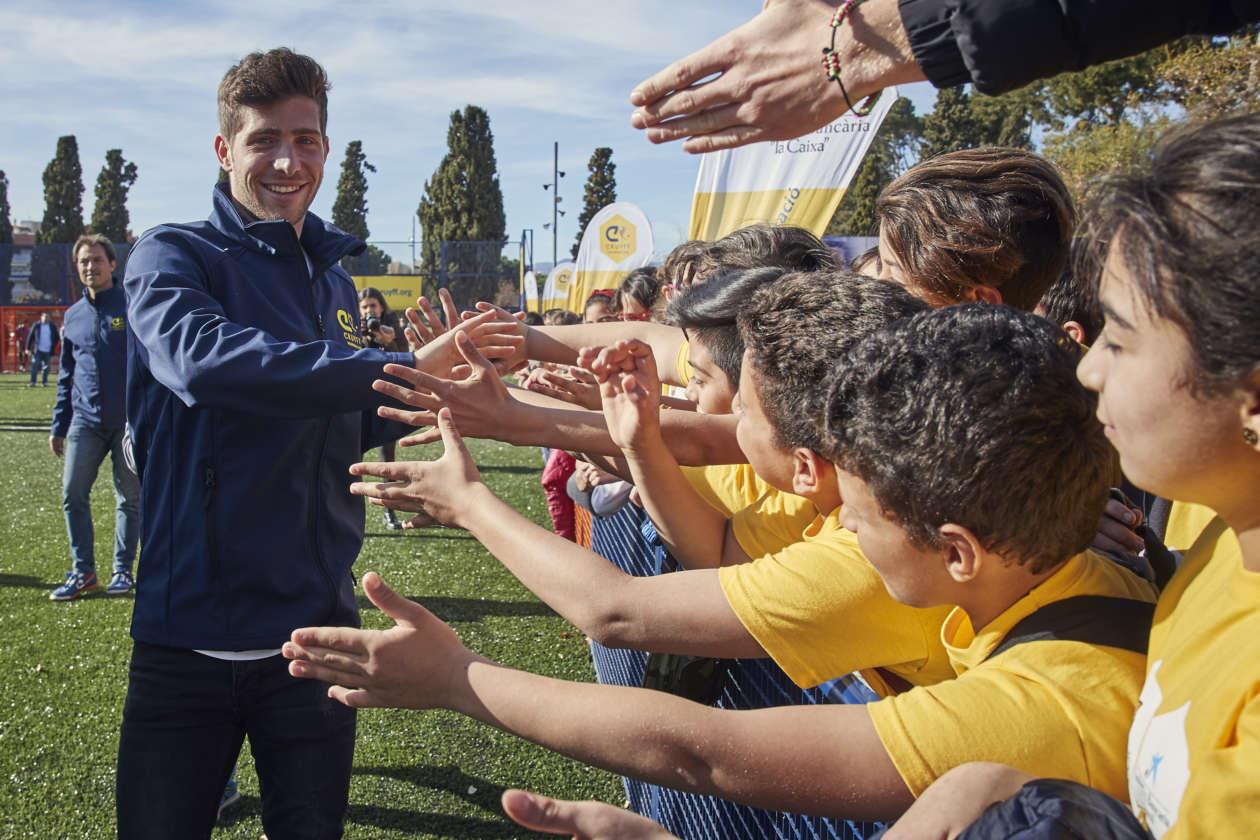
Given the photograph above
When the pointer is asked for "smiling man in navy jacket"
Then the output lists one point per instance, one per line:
(249, 396)
(88, 419)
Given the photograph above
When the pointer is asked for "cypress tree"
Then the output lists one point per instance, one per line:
(110, 216)
(349, 211)
(6, 224)
(601, 190)
(63, 195)
(462, 200)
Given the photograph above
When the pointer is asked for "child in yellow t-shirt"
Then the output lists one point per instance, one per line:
(1176, 374)
(996, 527)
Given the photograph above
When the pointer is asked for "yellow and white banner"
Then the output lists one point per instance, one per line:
(783, 182)
(529, 292)
(555, 293)
(399, 290)
(617, 241)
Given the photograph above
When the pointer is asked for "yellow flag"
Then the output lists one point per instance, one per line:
(784, 182)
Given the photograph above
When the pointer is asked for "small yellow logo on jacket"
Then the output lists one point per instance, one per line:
(349, 329)
(117, 323)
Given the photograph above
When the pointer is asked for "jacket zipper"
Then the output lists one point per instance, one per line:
(317, 496)
(212, 539)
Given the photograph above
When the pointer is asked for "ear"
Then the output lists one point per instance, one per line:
(327, 147)
(223, 151)
(986, 294)
(966, 555)
(1075, 330)
(811, 473)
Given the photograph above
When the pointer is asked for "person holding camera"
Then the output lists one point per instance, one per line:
(381, 330)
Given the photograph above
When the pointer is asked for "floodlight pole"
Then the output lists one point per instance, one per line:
(555, 199)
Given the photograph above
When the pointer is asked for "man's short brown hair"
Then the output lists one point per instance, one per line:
(90, 239)
(264, 78)
(991, 216)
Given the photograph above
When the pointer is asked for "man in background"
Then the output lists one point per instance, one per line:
(89, 420)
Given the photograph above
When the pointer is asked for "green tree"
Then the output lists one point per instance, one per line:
(349, 211)
(601, 190)
(462, 200)
(109, 216)
(63, 194)
(894, 149)
(6, 224)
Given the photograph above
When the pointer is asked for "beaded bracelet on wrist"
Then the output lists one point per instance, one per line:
(831, 62)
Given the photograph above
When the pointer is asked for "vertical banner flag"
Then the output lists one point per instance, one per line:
(617, 241)
(783, 182)
(556, 290)
(529, 292)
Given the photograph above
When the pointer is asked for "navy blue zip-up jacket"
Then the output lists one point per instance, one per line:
(93, 378)
(248, 394)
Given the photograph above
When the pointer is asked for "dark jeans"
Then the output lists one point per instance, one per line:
(183, 723)
(38, 359)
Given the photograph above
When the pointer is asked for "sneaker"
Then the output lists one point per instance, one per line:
(76, 584)
(120, 584)
(391, 520)
(230, 795)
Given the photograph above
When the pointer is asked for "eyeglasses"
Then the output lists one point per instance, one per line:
(638, 316)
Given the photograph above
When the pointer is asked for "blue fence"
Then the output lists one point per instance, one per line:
(629, 541)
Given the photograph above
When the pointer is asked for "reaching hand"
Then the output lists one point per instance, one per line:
(572, 385)
(414, 664)
(1116, 529)
(770, 83)
(479, 402)
(57, 445)
(493, 335)
(440, 488)
(424, 325)
(630, 391)
(580, 820)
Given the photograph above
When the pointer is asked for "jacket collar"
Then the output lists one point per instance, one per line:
(324, 243)
(106, 297)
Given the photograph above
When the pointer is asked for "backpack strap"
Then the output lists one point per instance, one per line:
(1123, 623)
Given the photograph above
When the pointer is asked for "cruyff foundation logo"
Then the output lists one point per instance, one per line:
(117, 323)
(349, 329)
(617, 239)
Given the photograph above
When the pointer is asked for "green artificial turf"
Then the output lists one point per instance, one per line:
(416, 774)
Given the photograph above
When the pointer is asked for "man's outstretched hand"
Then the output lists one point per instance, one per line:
(415, 664)
(494, 334)
(443, 488)
(579, 820)
(770, 83)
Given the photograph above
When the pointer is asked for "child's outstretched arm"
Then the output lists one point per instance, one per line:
(824, 760)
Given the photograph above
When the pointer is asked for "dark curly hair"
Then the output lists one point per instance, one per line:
(707, 313)
(795, 330)
(973, 415)
(1186, 226)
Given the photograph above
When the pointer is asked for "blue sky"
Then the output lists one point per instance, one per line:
(142, 77)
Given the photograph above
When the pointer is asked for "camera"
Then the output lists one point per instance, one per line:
(372, 324)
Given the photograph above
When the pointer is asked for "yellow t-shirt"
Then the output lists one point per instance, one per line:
(764, 520)
(820, 610)
(1055, 709)
(1186, 522)
(1194, 749)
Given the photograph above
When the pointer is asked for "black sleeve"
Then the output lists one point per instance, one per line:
(1000, 45)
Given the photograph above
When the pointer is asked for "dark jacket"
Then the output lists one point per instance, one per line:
(91, 387)
(248, 398)
(32, 337)
(1001, 45)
